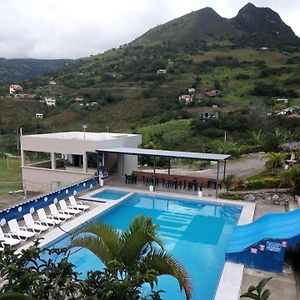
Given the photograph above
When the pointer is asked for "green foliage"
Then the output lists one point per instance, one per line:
(24, 69)
(275, 161)
(31, 274)
(132, 258)
(265, 183)
(291, 177)
(258, 292)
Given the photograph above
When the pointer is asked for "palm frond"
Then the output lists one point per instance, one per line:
(133, 245)
(166, 264)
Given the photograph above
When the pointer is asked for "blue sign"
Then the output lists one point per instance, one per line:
(273, 246)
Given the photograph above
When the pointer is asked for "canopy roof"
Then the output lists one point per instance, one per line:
(166, 153)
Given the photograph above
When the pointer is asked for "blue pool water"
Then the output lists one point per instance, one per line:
(110, 194)
(196, 233)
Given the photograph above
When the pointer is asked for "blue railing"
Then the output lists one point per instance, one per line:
(17, 211)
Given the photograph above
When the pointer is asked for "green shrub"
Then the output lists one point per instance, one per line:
(230, 196)
(265, 183)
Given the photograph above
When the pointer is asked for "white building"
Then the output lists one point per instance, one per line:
(39, 116)
(13, 88)
(50, 101)
(69, 157)
(185, 99)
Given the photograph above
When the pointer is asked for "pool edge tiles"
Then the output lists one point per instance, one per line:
(232, 273)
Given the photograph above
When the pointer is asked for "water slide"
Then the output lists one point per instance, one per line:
(262, 243)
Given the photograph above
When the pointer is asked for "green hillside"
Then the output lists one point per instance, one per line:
(16, 70)
(120, 89)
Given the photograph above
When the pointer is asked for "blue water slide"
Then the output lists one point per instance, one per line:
(262, 243)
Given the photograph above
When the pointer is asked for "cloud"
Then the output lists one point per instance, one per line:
(76, 28)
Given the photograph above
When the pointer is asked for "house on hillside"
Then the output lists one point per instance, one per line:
(212, 93)
(79, 99)
(161, 72)
(185, 99)
(50, 101)
(39, 116)
(208, 115)
(52, 82)
(282, 100)
(73, 157)
(13, 88)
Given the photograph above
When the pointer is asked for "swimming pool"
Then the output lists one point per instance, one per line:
(110, 194)
(196, 233)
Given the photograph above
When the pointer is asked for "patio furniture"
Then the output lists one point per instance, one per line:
(33, 225)
(57, 214)
(21, 232)
(47, 219)
(77, 204)
(7, 239)
(65, 209)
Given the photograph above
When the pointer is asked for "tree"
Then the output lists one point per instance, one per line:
(275, 161)
(258, 292)
(132, 258)
(291, 177)
(34, 273)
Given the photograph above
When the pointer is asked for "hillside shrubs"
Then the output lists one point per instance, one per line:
(265, 183)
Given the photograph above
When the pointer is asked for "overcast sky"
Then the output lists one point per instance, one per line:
(78, 28)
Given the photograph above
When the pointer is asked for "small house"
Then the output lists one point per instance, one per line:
(282, 100)
(39, 116)
(191, 90)
(50, 101)
(208, 115)
(161, 72)
(212, 93)
(13, 88)
(52, 82)
(185, 99)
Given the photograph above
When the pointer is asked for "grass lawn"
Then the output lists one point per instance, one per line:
(10, 175)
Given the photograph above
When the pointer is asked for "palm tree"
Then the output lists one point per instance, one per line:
(136, 251)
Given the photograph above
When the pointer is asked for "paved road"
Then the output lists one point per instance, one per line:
(247, 165)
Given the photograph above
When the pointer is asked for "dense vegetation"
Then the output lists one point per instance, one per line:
(16, 70)
(200, 50)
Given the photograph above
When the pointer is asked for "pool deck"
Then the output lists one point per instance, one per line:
(231, 280)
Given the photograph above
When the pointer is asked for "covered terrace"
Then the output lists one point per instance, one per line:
(122, 151)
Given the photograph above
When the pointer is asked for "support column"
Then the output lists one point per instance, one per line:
(217, 184)
(154, 167)
(169, 168)
(22, 158)
(84, 162)
(224, 175)
(53, 162)
(21, 148)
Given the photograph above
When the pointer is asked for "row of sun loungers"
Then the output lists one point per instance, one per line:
(32, 227)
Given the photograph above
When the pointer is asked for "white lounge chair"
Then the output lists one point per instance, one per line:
(21, 232)
(47, 219)
(33, 225)
(65, 209)
(57, 214)
(7, 239)
(77, 204)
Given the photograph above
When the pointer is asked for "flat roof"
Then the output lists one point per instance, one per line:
(80, 135)
(166, 153)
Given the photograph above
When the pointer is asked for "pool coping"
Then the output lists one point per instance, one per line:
(232, 275)
(88, 196)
